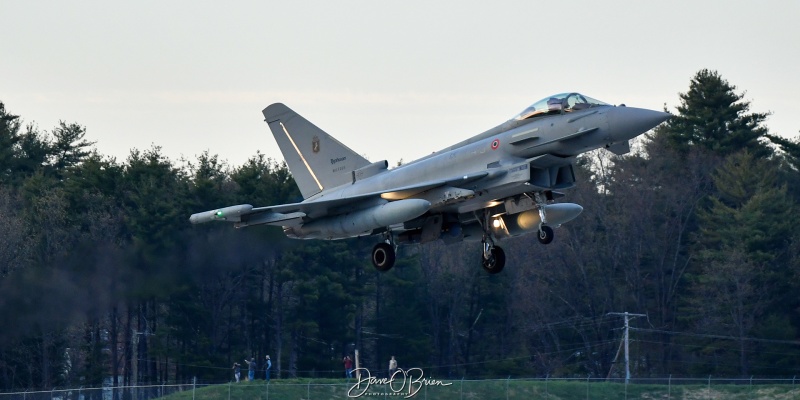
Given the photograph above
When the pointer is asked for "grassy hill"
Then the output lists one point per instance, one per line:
(319, 389)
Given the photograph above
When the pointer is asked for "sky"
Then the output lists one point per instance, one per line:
(392, 80)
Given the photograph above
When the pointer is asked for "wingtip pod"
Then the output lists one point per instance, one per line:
(232, 213)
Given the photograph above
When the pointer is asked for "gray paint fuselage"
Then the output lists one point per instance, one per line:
(478, 154)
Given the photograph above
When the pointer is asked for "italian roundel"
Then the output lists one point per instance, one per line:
(495, 144)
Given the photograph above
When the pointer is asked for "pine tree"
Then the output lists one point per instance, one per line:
(9, 137)
(790, 148)
(742, 250)
(70, 146)
(713, 116)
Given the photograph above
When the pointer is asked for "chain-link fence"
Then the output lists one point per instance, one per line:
(540, 388)
(104, 393)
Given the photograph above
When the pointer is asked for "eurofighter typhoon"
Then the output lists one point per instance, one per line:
(501, 183)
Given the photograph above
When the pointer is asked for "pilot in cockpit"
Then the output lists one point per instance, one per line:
(557, 104)
(553, 104)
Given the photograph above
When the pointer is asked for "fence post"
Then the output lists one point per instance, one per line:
(709, 388)
(669, 387)
(626, 388)
(462, 388)
(507, 379)
(587, 386)
(308, 390)
(546, 378)
(194, 385)
(229, 390)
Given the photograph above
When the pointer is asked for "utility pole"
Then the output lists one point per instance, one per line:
(626, 337)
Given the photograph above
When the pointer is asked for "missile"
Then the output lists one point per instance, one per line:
(551, 215)
(232, 213)
(362, 221)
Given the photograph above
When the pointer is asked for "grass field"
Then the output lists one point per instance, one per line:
(318, 389)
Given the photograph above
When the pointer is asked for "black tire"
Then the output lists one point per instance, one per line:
(383, 257)
(546, 235)
(496, 261)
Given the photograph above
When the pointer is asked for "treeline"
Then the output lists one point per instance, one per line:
(104, 281)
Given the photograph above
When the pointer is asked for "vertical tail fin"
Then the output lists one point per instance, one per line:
(317, 160)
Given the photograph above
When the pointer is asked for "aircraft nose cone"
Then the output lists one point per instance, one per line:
(628, 122)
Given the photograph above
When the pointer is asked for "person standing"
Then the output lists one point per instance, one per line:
(348, 366)
(251, 368)
(237, 371)
(392, 366)
(268, 366)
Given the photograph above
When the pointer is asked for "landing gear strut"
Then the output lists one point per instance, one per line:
(494, 258)
(545, 232)
(383, 255)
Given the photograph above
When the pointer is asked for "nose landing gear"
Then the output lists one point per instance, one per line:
(545, 234)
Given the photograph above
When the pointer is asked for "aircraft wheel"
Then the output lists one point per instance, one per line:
(496, 261)
(546, 235)
(383, 257)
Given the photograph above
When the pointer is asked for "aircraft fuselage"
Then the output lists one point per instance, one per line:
(505, 154)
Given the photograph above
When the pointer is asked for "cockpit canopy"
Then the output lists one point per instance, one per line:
(558, 104)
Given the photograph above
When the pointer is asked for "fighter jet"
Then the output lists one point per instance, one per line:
(501, 183)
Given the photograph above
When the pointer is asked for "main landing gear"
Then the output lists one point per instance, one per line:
(494, 258)
(383, 255)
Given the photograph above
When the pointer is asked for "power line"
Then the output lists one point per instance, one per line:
(717, 363)
(709, 336)
(695, 346)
